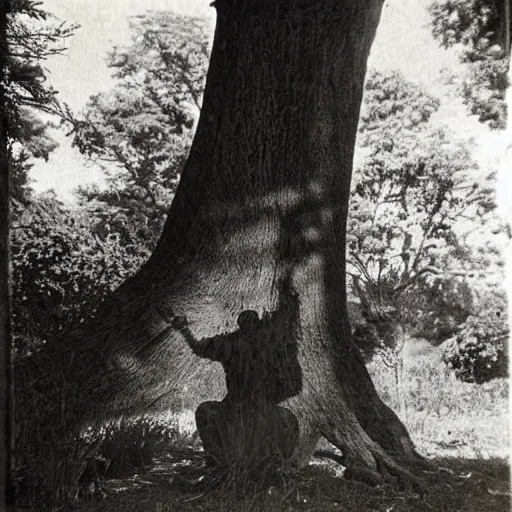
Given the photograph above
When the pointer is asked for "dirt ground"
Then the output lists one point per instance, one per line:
(457, 485)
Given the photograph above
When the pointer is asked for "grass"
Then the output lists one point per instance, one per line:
(446, 417)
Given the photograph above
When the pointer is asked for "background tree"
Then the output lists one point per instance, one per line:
(477, 350)
(6, 412)
(32, 140)
(140, 132)
(414, 191)
(482, 30)
(32, 35)
(29, 36)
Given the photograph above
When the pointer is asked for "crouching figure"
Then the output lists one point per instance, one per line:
(248, 427)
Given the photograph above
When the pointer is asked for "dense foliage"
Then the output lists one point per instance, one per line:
(60, 271)
(478, 352)
(478, 28)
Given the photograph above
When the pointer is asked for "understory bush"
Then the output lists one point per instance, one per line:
(478, 352)
(61, 271)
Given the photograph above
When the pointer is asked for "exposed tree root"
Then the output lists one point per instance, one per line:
(364, 458)
(371, 465)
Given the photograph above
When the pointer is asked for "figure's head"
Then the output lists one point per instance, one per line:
(248, 320)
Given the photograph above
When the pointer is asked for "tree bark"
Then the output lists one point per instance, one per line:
(263, 200)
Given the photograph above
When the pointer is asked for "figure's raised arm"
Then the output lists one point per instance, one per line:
(216, 348)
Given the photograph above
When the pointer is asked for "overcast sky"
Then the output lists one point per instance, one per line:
(403, 42)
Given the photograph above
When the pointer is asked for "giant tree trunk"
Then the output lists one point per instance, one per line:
(263, 199)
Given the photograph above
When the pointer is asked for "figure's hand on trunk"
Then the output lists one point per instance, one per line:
(179, 322)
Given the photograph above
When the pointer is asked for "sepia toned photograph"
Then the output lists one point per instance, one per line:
(255, 255)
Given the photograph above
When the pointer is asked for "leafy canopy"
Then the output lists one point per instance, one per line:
(33, 35)
(141, 130)
(478, 28)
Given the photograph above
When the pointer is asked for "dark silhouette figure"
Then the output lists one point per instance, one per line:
(260, 361)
